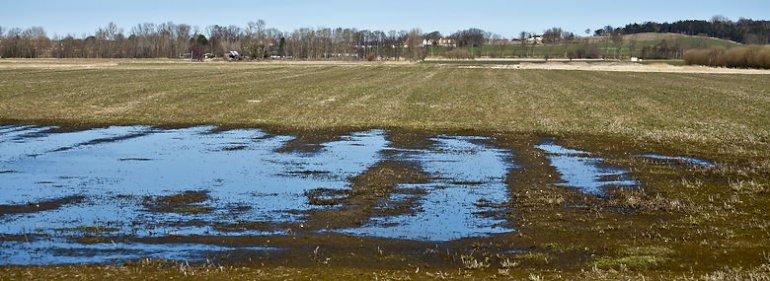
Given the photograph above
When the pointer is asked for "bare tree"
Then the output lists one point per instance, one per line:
(632, 47)
(2, 41)
(470, 38)
(617, 39)
(254, 43)
(182, 36)
(523, 36)
(553, 35)
(414, 45)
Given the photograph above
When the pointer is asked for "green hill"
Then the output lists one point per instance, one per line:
(644, 45)
(686, 41)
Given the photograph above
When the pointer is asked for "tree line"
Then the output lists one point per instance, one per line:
(743, 30)
(255, 41)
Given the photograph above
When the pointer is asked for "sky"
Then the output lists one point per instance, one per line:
(506, 18)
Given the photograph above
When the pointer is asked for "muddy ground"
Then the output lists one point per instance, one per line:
(678, 218)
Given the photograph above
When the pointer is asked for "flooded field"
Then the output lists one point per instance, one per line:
(123, 193)
(327, 170)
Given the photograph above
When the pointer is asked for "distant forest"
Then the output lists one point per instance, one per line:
(257, 41)
(744, 30)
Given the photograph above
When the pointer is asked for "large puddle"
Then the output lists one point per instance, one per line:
(146, 182)
(59, 189)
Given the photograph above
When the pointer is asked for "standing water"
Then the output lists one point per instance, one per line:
(58, 187)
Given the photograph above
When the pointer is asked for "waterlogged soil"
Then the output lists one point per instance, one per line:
(372, 198)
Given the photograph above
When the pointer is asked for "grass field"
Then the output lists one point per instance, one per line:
(685, 223)
(650, 106)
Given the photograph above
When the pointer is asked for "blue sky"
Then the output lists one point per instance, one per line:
(506, 18)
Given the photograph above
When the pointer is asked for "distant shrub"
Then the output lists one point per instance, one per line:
(371, 57)
(711, 57)
(458, 53)
(584, 52)
(662, 50)
(754, 56)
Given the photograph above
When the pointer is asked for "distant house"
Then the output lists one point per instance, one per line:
(537, 39)
(233, 55)
(447, 42)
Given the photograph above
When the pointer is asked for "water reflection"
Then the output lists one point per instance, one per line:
(680, 159)
(469, 180)
(211, 178)
(580, 170)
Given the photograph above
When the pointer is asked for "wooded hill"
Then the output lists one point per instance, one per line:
(744, 30)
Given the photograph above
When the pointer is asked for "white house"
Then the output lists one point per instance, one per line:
(537, 39)
(447, 42)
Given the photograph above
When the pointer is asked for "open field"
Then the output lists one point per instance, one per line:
(701, 107)
(702, 217)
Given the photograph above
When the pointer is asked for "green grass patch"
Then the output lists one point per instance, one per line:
(635, 258)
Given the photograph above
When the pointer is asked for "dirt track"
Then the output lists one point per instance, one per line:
(557, 64)
(626, 67)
